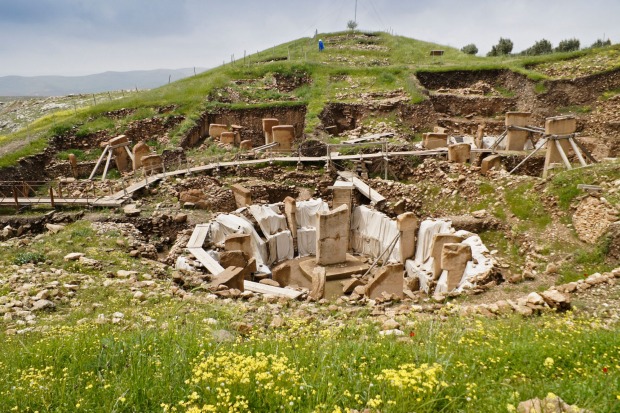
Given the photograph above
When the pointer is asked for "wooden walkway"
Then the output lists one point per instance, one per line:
(117, 199)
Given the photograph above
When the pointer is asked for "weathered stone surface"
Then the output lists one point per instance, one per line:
(54, 228)
(239, 242)
(318, 284)
(556, 299)
(436, 248)
(282, 274)
(348, 286)
(516, 139)
(290, 211)
(152, 164)
(389, 279)
(242, 195)
(268, 125)
(407, 224)
(454, 259)
(216, 130)
(227, 138)
(245, 145)
(592, 219)
(121, 157)
(231, 277)
(332, 236)
(284, 135)
(550, 404)
(341, 194)
(73, 256)
(435, 140)
(74, 164)
(491, 162)
(459, 153)
(233, 258)
(560, 125)
(131, 210)
(140, 150)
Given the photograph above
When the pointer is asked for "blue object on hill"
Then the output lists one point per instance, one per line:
(321, 45)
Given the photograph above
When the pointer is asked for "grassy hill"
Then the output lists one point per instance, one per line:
(351, 62)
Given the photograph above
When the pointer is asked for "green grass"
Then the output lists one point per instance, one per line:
(173, 363)
(524, 202)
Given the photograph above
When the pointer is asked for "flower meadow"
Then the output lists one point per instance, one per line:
(166, 360)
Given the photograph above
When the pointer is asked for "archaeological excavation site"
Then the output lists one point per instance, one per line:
(372, 183)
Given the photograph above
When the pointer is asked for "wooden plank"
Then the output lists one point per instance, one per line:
(205, 259)
(198, 236)
(374, 196)
(369, 138)
(268, 289)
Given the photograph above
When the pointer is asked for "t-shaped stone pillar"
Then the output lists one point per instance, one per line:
(284, 135)
(243, 196)
(216, 129)
(120, 153)
(341, 194)
(290, 211)
(558, 126)
(439, 240)
(454, 259)
(407, 224)
(332, 236)
(239, 242)
(435, 140)
(515, 139)
(268, 124)
(140, 150)
(459, 152)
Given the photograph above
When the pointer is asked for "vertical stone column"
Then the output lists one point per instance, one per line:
(454, 259)
(120, 154)
(439, 240)
(236, 129)
(558, 126)
(480, 135)
(290, 211)
(515, 139)
(243, 196)
(332, 236)
(140, 150)
(268, 125)
(407, 224)
(227, 138)
(284, 135)
(74, 165)
(341, 194)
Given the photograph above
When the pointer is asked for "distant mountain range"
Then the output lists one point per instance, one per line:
(101, 82)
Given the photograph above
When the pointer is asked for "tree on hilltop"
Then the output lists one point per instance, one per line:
(568, 45)
(470, 49)
(503, 47)
(540, 47)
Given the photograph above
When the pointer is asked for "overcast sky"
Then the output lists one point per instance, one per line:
(78, 37)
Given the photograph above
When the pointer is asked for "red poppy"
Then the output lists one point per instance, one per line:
(411, 334)
(604, 369)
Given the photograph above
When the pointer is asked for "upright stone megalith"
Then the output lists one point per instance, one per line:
(435, 140)
(140, 150)
(268, 124)
(216, 129)
(284, 135)
(121, 157)
(454, 259)
(388, 280)
(515, 139)
(407, 224)
(332, 236)
(459, 153)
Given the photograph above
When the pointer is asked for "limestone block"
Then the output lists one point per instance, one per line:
(239, 242)
(140, 150)
(73, 164)
(341, 194)
(236, 129)
(282, 274)
(407, 225)
(233, 258)
(152, 164)
(518, 118)
(121, 157)
(350, 284)
(436, 248)
(491, 162)
(290, 211)
(480, 135)
(516, 139)
(439, 129)
(268, 124)
(231, 277)
(250, 269)
(318, 283)
(332, 236)
(284, 135)
(459, 153)
(389, 279)
(454, 259)
(560, 125)
(245, 145)
(242, 195)
(215, 130)
(435, 140)
(228, 138)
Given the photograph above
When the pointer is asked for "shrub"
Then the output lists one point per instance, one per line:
(600, 43)
(540, 47)
(568, 45)
(28, 257)
(470, 49)
(351, 24)
(503, 47)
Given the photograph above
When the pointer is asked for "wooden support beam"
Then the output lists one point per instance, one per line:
(107, 164)
(558, 146)
(577, 151)
(94, 171)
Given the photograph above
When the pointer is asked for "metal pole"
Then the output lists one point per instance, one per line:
(355, 19)
(529, 156)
